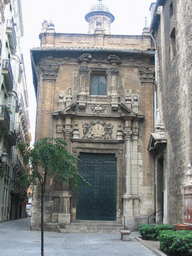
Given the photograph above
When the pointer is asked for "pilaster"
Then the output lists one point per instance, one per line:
(64, 216)
(114, 92)
(131, 197)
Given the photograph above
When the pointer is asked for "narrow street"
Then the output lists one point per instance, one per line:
(17, 240)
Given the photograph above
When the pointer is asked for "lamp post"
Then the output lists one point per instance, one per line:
(3, 161)
(4, 157)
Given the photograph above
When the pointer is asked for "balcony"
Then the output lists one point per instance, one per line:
(0, 47)
(18, 165)
(11, 137)
(24, 120)
(8, 74)
(10, 29)
(4, 118)
(17, 189)
(19, 134)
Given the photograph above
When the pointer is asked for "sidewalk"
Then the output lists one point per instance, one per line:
(17, 240)
(152, 245)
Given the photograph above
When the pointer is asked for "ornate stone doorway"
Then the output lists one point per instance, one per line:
(97, 202)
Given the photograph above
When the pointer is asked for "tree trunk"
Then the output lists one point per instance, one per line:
(42, 224)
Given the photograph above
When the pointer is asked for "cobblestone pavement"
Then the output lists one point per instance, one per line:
(17, 240)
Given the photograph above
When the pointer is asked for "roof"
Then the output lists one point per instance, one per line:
(39, 52)
(156, 15)
(91, 49)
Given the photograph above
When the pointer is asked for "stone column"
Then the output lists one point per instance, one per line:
(188, 196)
(67, 133)
(134, 158)
(128, 133)
(127, 204)
(64, 216)
(69, 97)
(60, 102)
(114, 93)
(131, 197)
(83, 76)
(36, 209)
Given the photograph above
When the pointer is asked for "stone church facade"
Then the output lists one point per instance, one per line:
(95, 91)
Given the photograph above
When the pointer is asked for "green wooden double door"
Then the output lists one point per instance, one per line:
(97, 202)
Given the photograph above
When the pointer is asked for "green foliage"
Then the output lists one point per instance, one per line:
(176, 243)
(26, 180)
(151, 232)
(163, 227)
(148, 232)
(22, 146)
(49, 157)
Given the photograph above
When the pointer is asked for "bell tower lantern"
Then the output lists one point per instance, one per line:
(99, 19)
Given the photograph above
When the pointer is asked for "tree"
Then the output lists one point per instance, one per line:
(49, 158)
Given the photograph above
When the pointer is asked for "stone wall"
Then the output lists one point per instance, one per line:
(174, 97)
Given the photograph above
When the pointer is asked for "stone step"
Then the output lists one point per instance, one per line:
(54, 227)
(95, 223)
(92, 227)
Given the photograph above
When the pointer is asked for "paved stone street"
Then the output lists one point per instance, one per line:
(16, 239)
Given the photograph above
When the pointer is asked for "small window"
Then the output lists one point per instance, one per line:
(171, 9)
(92, 27)
(98, 85)
(173, 43)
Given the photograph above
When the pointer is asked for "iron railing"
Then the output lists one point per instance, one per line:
(6, 66)
(122, 216)
(154, 214)
(4, 113)
(10, 25)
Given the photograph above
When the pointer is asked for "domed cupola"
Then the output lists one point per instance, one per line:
(99, 19)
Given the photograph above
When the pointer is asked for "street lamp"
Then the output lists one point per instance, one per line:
(4, 157)
(3, 160)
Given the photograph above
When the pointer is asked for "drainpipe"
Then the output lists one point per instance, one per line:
(155, 119)
(155, 87)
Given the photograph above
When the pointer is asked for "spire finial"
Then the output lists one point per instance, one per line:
(146, 26)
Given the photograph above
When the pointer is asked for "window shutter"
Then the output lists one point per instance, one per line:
(102, 85)
(94, 85)
(98, 85)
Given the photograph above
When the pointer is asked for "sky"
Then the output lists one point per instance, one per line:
(68, 16)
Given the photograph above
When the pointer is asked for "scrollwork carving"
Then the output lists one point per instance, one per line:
(114, 59)
(86, 57)
(50, 71)
(96, 108)
(146, 73)
(83, 69)
(114, 71)
(97, 130)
